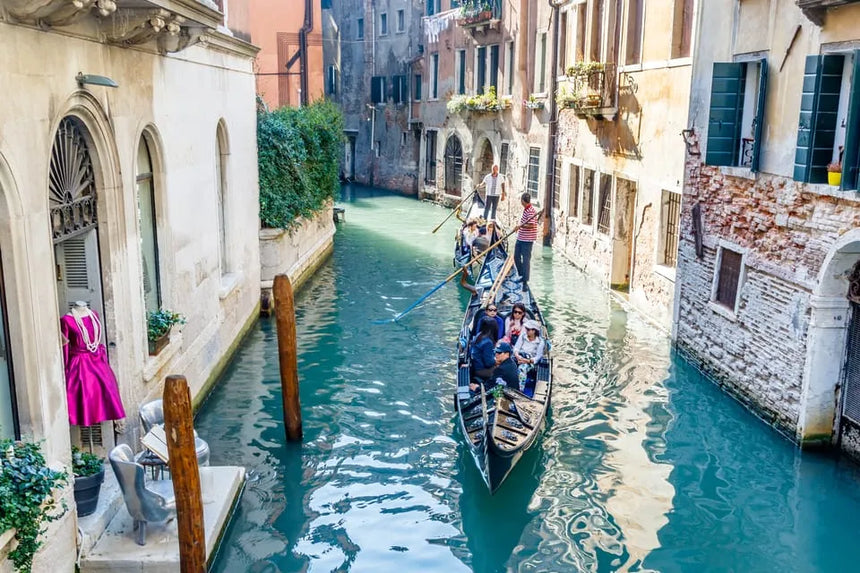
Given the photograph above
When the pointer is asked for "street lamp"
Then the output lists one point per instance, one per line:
(95, 80)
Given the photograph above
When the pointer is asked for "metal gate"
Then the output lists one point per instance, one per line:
(851, 385)
(453, 166)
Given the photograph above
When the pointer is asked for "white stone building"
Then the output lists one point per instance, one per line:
(768, 260)
(132, 197)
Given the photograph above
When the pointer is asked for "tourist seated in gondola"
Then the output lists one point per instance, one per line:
(504, 370)
(469, 233)
(514, 323)
(493, 312)
(528, 351)
(481, 352)
(481, 242)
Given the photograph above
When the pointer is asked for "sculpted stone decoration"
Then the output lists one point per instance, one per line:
(55, 12)
(133, 27)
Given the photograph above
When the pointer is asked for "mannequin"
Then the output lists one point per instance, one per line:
(91, 388)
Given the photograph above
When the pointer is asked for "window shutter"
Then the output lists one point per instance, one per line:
(724, 122)
(851, 154)
(822, 81)
(759, 115)
(374, 90)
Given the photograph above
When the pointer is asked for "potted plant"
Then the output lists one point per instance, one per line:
(27, 499)
(89, 471)
(158, 325)
(834, 173)
(533, 102)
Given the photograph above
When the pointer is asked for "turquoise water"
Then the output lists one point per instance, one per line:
(644, 465)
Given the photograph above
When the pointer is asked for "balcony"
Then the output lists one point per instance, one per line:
(591, 90)
(816, 10)
(478, 15)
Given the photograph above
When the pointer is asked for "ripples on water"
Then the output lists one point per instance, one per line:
(643, 465)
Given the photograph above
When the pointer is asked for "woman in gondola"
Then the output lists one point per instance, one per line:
(481, 353)
(514, 322)
(528, 350)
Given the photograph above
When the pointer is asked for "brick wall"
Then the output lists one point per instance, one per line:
(787, 229)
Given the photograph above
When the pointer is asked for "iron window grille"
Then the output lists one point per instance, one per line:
(588, 197)
(729, 278)
(573, 191)
(671, 220)
(534, 171)
(605, 203)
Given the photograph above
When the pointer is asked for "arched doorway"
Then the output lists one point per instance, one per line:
(453, 166)
(74, 220)
(485, 161)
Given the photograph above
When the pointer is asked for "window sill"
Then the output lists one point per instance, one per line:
(229, 283)
(833, 191)
(667, 273)
(739, 172)
(679, 62)
(155, 363)
(723, 311)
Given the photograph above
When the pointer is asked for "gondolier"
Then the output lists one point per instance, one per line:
(494, 188)
(526, 237)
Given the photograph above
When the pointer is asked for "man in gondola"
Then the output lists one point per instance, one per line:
(504, 372)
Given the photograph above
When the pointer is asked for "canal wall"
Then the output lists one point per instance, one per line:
(296, 252)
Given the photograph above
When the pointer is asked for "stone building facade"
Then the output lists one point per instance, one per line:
(624, 84)
(469, 51)
(128, 179)
(370, 49)
(768, 260)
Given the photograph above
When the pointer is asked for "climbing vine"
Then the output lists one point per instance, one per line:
(299, 151)
(26, 500)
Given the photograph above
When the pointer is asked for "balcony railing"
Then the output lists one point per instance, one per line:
(591, 89)
(474, 13)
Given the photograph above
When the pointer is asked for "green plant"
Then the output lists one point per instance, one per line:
(160, 322)
(487, 101)
(26, 500)
(498, 391)
(835, 167)
(299, 153)
(585, 68)
(84, 463)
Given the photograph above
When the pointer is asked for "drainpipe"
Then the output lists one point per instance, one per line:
(548, 229)
(303, 50)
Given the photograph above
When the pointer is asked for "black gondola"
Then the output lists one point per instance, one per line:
(500, 426)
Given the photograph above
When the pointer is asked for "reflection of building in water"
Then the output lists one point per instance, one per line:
(640, 494)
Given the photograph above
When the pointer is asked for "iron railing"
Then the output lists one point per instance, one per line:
(592, 89)
(479, 12)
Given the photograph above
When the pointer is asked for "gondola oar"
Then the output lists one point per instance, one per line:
(460, 204)
(400, 315)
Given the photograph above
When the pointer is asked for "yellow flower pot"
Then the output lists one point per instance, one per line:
(834, 178)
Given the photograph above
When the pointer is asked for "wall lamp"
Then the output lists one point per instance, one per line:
(94, 80)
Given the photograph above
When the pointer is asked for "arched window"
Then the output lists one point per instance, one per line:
(453, 165)
(148, 228)
(221, 196)
(8, 410)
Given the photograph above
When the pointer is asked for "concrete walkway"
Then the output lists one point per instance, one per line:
(116, 550)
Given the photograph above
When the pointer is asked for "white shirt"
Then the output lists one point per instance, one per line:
(493, 185)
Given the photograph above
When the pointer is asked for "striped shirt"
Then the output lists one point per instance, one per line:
(528, 225)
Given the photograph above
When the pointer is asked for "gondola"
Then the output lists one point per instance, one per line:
(500, 425)
(475, 209)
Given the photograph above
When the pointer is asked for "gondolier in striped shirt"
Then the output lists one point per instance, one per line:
(526, 237)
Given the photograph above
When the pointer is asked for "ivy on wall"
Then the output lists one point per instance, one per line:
(299, 151)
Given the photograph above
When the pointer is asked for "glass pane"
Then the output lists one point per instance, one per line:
(7, 417)
(148, 239)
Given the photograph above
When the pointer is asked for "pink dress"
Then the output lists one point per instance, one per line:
(91, 388)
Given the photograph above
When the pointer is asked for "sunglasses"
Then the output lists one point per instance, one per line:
(492, 309)
(517, 312)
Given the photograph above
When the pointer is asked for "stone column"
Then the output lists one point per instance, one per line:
(822, 373)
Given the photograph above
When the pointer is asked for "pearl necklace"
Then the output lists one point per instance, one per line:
(92, 345)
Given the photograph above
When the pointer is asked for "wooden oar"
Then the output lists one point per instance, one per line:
(460, 204)
(506, 268)
(400, 315)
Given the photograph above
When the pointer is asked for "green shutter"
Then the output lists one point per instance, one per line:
(759, 114)
(806, 123)
(851, 154)
(824, 135)
(724, 121)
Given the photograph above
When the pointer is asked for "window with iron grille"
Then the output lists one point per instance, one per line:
(729, 278)
(503, 160)
(670, 221)
(588, 197)
(573, 191)
(556, 188)
(605, 204)
(534, 171)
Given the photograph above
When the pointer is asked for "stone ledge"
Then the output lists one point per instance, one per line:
(118, 551)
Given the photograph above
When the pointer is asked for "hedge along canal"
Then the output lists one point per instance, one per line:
(644, 464)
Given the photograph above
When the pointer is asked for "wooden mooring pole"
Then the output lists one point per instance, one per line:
(285, 318)
(179, 429)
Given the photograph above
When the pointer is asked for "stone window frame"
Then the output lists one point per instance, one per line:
(570, 166)
(660, 252)
(383, 24)
(359, 32)
(719, 308)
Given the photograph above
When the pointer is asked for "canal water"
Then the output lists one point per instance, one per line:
(644, 465)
